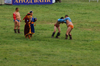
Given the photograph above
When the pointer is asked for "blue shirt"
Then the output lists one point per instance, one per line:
(33, 20)
(67, 18)
(60, 20)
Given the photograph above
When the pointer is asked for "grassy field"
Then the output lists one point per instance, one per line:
(42, 50)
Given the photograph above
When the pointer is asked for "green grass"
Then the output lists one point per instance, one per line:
(42, 50)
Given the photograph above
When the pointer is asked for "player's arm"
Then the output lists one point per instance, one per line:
(62, 21)
(24, 17)
(34, 24)
(20, 18)
(14, 17)
(35, 19)
(65, 20)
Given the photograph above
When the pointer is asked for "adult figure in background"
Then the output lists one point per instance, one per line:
(58, 1)
(17, 20)
(27, 28)
(70, 27)
(32, 23)
(1, 2)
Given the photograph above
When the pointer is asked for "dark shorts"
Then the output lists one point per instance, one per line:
(17, 20)
(56, 25)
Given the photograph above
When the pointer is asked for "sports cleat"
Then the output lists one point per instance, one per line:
(18, 30)
(70, 36)
(15, 30)
(66, 37)
(52, 36)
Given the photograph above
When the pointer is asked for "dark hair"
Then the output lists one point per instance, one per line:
(31, 11)
(66, 15)
(28, 14)
(16, 8)
(62, 18)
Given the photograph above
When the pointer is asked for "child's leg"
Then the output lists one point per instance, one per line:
(54, 31)
(68, 31)
(15, 25)
(58, 34)
(18, 27)
(70, 36)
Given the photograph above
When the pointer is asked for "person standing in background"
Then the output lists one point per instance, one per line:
(33, 20)
(27, 28)
(17, 20)
(1, 2)
(58, 1)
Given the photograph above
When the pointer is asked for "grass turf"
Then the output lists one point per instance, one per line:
(42, 50)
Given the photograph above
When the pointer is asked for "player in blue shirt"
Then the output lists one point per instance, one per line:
(69, 25)
(57, 26)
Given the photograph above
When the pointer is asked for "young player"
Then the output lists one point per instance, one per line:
(70, 27)
(17, 20)
(57, 26)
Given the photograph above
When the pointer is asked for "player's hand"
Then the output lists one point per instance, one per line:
(16, 21)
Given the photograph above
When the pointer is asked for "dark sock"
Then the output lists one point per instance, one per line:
(30, 35)
(66, 37)
(58, 34)
(18, 30)
(15, 30)
(55, 1)
(60, 1)
(70, 36)
(53, 34)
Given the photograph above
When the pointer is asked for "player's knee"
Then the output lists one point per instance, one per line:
(59, 31)
(70, 34)
(54, 30)
(67, 33)
(18, 25)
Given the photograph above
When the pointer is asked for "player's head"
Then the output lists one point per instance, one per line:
(62, 18)
(17, 9)
(29, 15)
(31, 12)
(66, 15)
